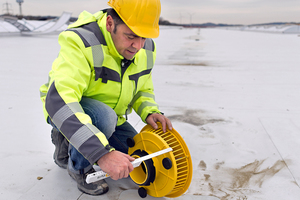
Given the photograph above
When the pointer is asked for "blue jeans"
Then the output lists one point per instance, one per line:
(105, 119)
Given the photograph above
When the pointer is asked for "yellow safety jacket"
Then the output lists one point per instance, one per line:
(89, 65)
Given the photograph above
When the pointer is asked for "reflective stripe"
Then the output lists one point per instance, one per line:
(42, 94)
(136, 97)
(150, 63)
(140, 94)
(92, 128)
(94, 28)
(61, 115)
(98, 55)
(144, 105)
(81, 136)
(75, 107)
(65, 112)
(149, 47)
(46, 85)
(90, 37)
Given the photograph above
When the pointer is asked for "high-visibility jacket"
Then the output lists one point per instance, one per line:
(89, 65)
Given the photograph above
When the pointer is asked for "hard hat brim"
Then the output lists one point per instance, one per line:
(145, 32)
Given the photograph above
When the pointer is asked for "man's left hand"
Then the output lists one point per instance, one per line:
(155, 117)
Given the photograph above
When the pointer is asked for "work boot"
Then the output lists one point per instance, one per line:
(60, 155)
(95, 188)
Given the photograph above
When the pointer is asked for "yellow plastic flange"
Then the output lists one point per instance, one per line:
(171, 182)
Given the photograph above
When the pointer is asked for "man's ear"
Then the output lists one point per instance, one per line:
(109, 24)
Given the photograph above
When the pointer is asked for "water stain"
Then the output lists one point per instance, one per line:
(236, 183)
(202, 165)
(207, 176)
(192, 64)
(251, 174)
(218, 165)
(192, 117)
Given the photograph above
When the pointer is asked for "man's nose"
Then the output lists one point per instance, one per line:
(138, 43)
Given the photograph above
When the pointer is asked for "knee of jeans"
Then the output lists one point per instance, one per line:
(110, 125)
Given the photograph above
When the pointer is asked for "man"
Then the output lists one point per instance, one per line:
(103, 70)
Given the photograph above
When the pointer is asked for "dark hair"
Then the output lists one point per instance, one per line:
(117, 19)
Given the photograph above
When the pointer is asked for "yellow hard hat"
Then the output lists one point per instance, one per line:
(141, 16)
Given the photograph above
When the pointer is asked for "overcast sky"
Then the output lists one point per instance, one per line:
(185, 11)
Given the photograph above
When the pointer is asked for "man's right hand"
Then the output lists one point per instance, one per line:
(116, 164)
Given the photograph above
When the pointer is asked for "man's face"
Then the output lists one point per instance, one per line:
(126, 42)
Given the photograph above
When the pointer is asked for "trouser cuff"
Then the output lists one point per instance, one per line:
(81, 171)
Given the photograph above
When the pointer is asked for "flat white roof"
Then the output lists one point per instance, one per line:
(232, 95)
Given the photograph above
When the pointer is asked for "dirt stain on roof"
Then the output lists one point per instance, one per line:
(235, 183)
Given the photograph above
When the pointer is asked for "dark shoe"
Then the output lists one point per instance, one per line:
(95, 188)
(60, 155)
